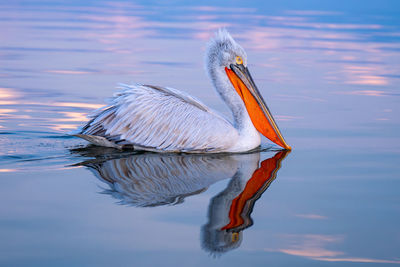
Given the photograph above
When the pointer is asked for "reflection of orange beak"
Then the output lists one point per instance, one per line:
(242, 205)
(258, 111)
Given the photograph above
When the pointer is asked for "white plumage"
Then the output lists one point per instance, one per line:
(150, 179)
(162, 119)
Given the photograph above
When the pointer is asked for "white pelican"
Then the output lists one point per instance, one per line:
(163, 119)
(150, 179)
(154, 179)
(229, 212)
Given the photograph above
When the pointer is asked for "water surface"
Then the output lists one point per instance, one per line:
(329, 73)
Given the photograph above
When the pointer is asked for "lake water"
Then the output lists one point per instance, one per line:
(329, 72)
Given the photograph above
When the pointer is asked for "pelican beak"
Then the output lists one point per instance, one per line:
(258, 111)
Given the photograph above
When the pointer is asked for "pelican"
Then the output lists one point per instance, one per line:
(163, 119)
(229, 212)
(155, 179)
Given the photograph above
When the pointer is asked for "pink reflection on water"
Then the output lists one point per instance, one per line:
(284, 18)
(278, 38)
(224, 9)
(299, 98)
(336, 26)
(312, 216)
(205, 8)
(315, 247)
(73, 72)
(7, 170)
(59, 120)
(360, 260)
(10, 114)
(287, 118)
(338, 48)
(312, 13)
(205, 30)
(8, 93)
(363, 93)
(311, 245)
(77, 105)
(364, 75)
(72, 116)
(63, 127)
(119, 27)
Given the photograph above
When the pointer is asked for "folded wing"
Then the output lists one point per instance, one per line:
(159, 119)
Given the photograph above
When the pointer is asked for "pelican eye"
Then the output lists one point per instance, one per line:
(235, 237)
(239, 60)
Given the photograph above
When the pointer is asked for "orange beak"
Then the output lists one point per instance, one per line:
(258, 111)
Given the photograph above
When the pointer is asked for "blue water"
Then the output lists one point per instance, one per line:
(329, 72)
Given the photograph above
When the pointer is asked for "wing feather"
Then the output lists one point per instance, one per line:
(160, 119)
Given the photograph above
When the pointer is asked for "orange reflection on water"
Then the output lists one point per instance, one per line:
(242, 206)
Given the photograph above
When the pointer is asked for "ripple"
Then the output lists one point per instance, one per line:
(35, 150)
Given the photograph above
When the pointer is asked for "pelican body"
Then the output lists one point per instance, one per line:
(155, 179)
(163, 119)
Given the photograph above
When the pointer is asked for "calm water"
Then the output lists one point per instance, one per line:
(329, 73)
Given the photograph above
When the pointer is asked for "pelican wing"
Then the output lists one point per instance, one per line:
(159, 119)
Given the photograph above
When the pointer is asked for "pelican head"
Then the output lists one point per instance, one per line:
(226, 64)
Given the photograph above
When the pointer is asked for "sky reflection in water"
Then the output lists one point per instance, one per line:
(328, 71)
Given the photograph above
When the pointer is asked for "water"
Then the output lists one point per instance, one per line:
(329, 73)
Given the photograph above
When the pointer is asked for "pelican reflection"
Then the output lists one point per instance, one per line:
(150, 179)
(229, 211)
(153, 179)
